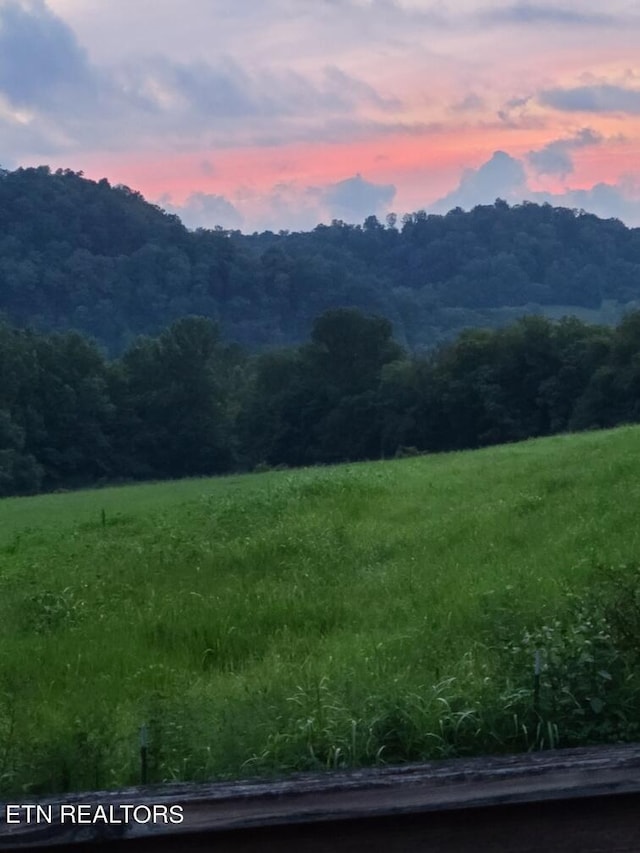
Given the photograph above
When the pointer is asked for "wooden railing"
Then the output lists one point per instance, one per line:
(566, 800)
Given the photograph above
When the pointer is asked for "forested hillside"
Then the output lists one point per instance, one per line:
(76, 254)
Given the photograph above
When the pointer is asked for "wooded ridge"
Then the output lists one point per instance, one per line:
(79, 254)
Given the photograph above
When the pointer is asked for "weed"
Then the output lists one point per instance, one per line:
(322, 618)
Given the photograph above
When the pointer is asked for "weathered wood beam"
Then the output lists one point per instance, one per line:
(590, 796)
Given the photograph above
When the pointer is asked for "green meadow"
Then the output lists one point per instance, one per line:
(322, 618)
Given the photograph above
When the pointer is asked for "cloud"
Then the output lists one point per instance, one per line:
(517, 114)
(555, 158)
(286, 205)
(156, 80)
(618, 201)
(52, 99)
(294, 206)
(358, 90)
(253, 31)
(502, 176)
(227, 90)
(40, 59)
(61, 101)
(540, 13)
(205, 210)
(355, 198)
(17, 137)
(338, 129)
(469, 103)
(597, 98)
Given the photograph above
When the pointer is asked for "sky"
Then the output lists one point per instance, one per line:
(280, 114)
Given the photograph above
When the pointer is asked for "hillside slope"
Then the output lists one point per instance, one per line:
(326, 617)
(99, 259)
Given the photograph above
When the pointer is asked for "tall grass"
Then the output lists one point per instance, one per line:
(321, 618)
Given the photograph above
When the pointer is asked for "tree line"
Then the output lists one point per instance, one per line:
(187, 403)
(85, 255)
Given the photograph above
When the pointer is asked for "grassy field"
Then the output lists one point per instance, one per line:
(322, 618)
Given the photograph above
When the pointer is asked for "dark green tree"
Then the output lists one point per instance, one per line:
(175, 402)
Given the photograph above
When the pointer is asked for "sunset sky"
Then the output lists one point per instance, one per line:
(257, 114)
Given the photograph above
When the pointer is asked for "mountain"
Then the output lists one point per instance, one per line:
(85, 255)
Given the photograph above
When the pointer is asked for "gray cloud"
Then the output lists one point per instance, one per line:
(555, 158)
(205, 210)
(515, 113)
(287, 205)
(40, 60)
(597, 98)
(446, 16)
(290, 205)
(18, 137)
(605, 200)
(254, 31)
(358, 90)
(540, 13)
(223, 91)
(469, 103)
(222, 75)
(517, 103)
(156, 101)
(341, 128)
(228, 91)
(502, 176)
(355, 198)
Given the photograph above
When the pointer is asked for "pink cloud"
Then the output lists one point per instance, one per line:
(315, 95)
